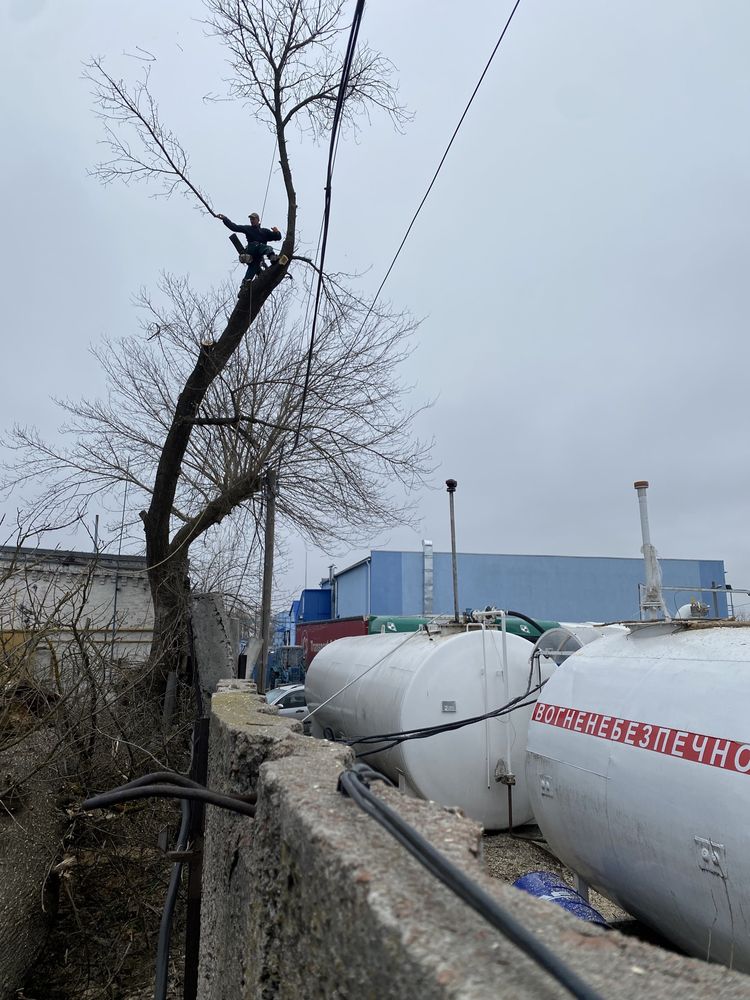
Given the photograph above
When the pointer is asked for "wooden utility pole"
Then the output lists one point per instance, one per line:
(265, 614)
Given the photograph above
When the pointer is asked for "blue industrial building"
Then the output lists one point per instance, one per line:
(562, 588)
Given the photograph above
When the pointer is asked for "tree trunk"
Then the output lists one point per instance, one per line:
(170, 593)
(30, 839)
(167, 560)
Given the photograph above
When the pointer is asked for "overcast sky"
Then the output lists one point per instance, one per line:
(581, 264)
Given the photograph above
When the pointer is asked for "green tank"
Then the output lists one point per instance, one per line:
(411, 623)
(395, 623)
(520, 627)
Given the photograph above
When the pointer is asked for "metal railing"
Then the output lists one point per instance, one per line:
(717, 607)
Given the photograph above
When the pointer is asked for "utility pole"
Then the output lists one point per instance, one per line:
(450, 485)
(265, 618)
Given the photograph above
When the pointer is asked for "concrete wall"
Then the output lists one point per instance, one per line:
(312, 899)
(567, 588)
(214, 637)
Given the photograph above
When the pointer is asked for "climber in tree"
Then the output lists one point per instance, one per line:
(257, 242)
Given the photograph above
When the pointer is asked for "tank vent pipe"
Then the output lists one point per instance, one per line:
(652, 600)
(450, 485)
(427, 577)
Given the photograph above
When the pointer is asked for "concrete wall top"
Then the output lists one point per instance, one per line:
(312, 899)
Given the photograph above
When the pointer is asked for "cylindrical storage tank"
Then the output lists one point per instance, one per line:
(638, 771)
(403, 682)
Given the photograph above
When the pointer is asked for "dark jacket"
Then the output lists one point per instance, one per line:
(254, 234)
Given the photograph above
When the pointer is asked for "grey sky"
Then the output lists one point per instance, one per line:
(580, 265)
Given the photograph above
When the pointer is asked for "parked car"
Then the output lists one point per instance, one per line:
(290, 701)
(274, 694)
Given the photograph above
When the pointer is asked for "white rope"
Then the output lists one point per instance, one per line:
(372, 667)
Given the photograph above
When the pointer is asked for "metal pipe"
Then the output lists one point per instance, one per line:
(427, 577)
(486, 706)
(450, 485)
(652, 605)
(510, 808)
(640, 487)
(510, 777)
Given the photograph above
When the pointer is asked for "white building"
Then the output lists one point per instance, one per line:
(51, 598)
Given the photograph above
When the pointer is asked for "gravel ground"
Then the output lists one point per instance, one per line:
(508, 858)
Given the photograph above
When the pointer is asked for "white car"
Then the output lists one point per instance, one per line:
(290, 700)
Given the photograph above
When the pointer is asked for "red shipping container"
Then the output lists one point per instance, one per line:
(312, 636)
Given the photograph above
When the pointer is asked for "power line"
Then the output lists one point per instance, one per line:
(336, 125)
(442, 160)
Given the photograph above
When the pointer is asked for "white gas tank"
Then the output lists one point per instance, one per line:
(638, 772)
(405, 681)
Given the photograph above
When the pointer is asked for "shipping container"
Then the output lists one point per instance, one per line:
(312, 636)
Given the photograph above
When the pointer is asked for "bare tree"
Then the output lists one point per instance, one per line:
(355, 445)
(196, 412)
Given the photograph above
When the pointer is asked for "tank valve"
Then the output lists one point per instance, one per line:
(503, 775)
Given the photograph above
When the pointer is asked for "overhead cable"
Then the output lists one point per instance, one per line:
(442, 161)
(335, 127)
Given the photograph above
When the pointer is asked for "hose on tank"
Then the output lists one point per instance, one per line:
(529, 621)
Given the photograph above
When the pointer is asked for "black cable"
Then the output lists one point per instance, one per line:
(353, 784)
(157, 777)
(428, 731)
(169, 784)
(335, 126)
(161, 980)
(424, 732)
(370, 753)
(169, 791)
(442, 161)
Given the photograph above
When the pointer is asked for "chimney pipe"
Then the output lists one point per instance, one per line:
(450, 485)
(427, 577)
(652, 602)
